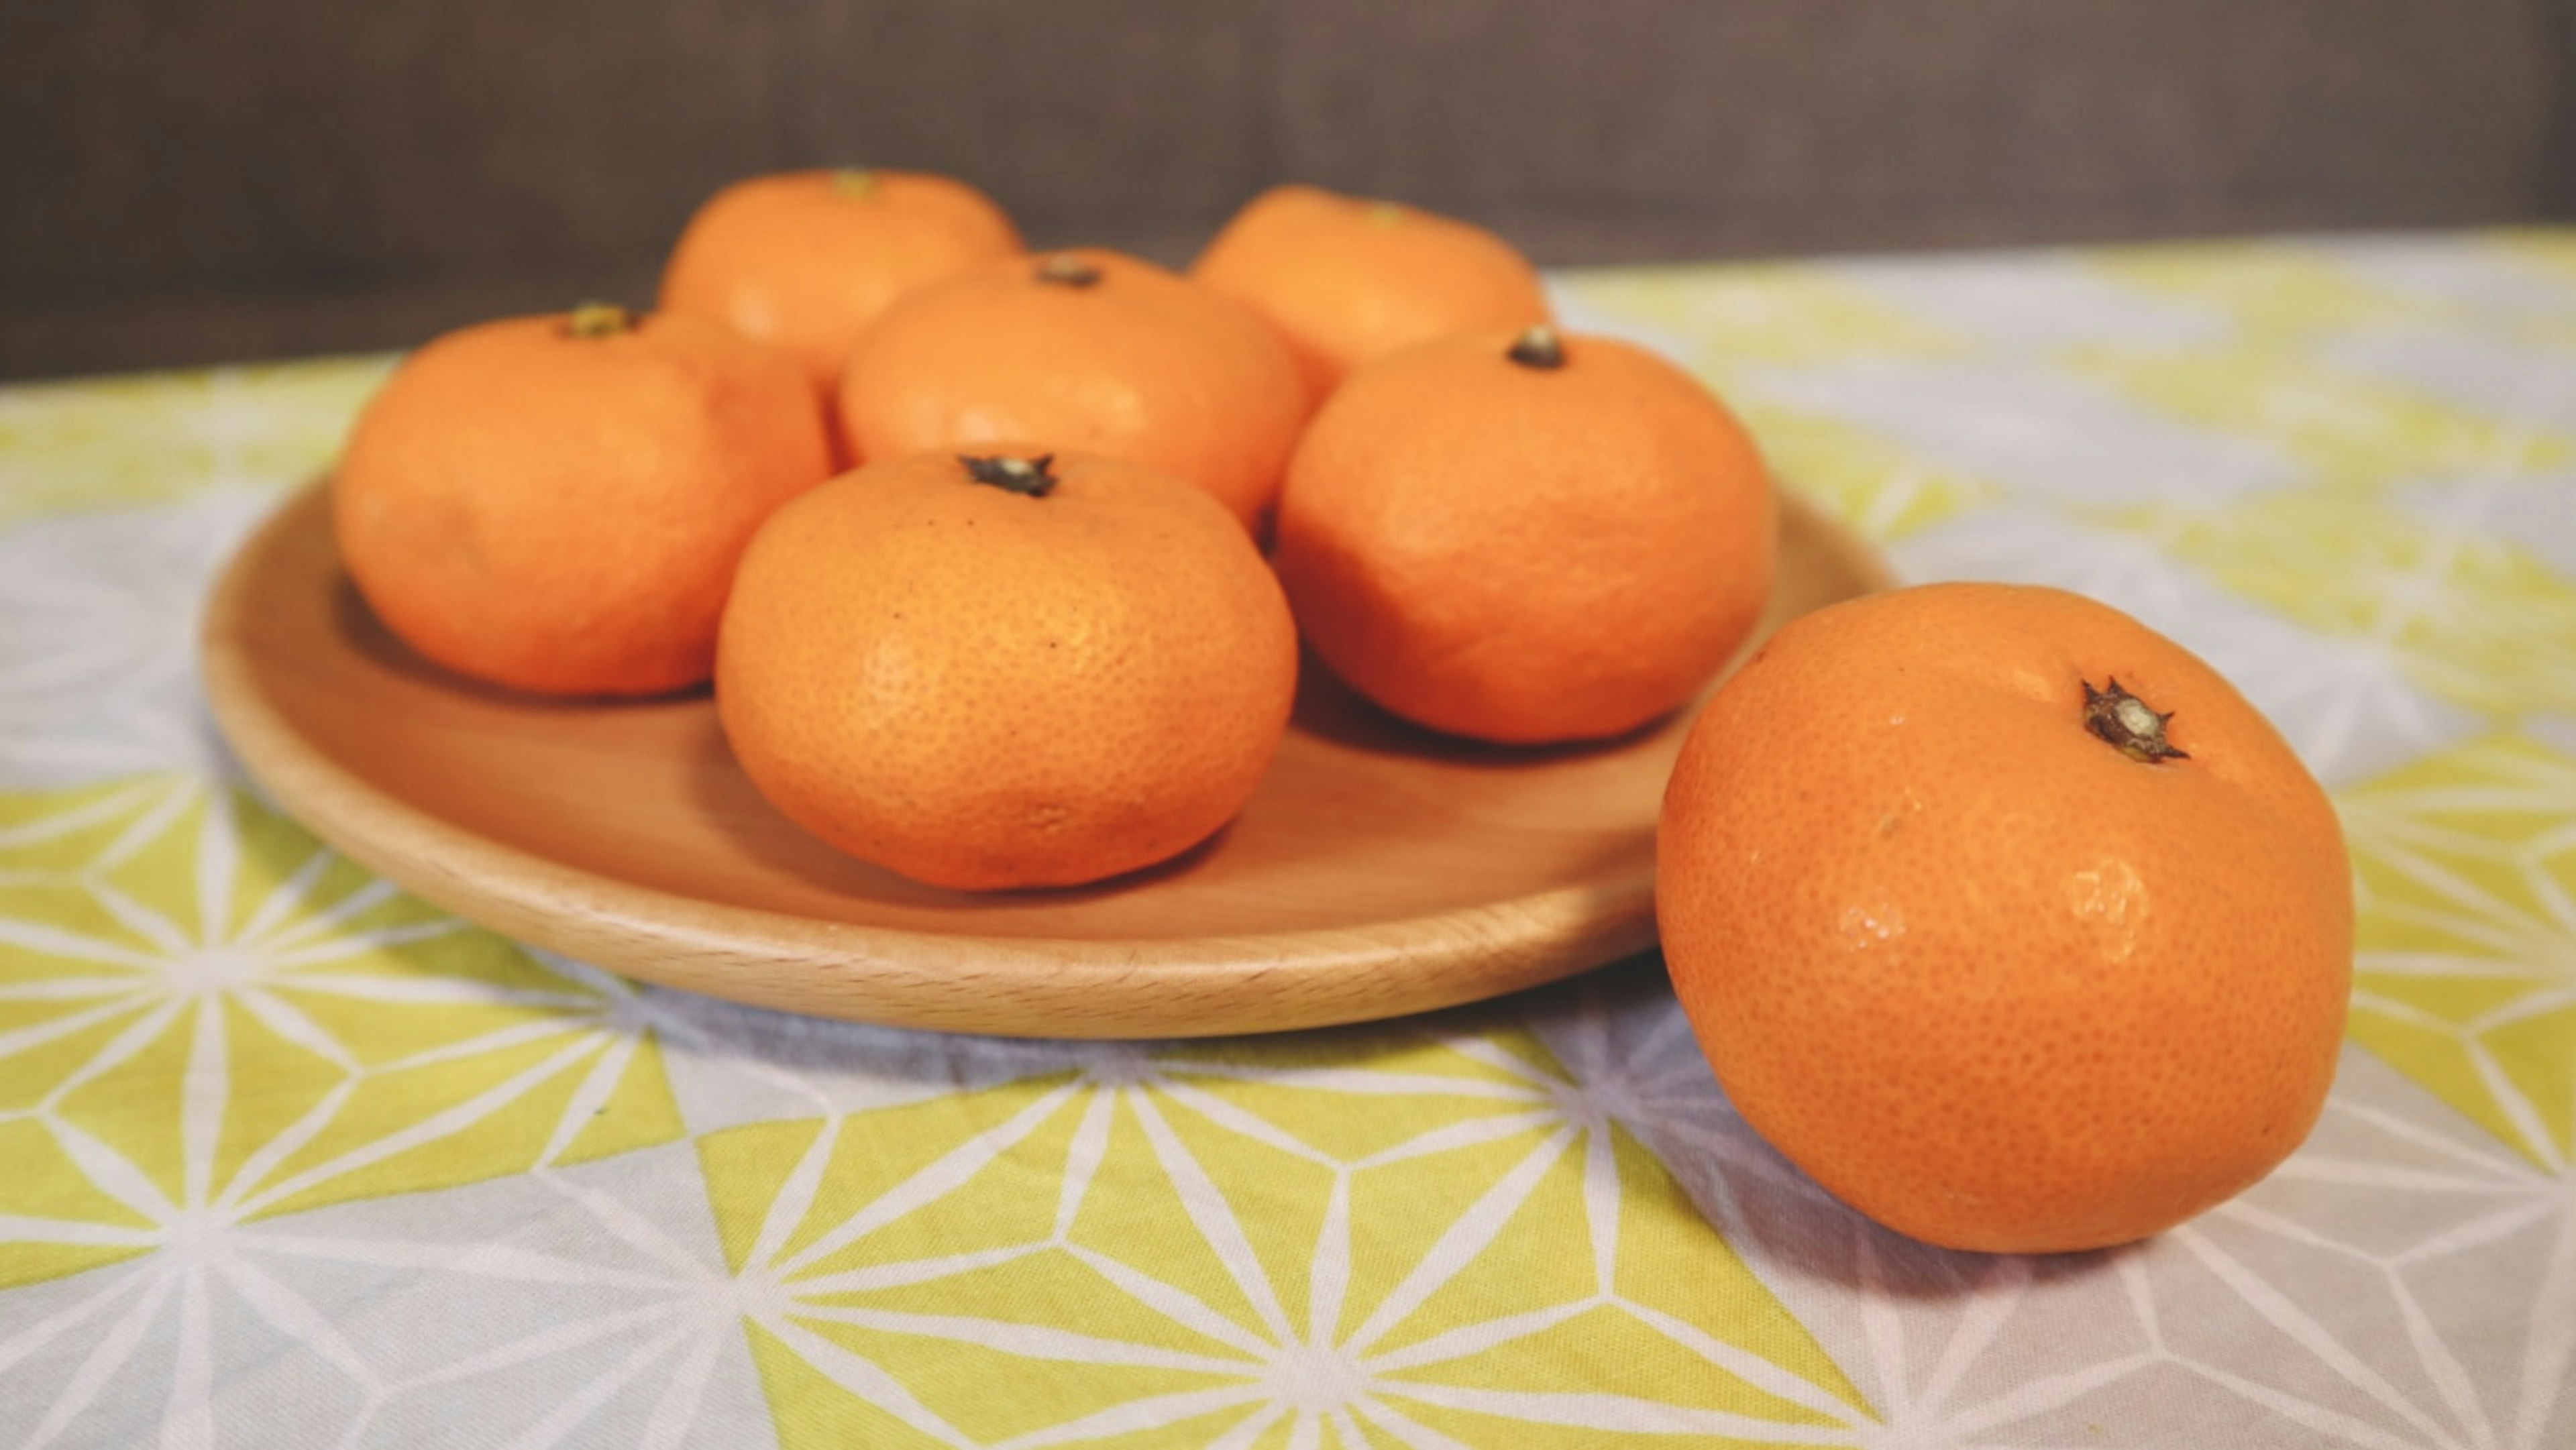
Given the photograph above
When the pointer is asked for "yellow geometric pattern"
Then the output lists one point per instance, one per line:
(1780, 313)
(331, 1037)
(1432, 1243)
(2465, 971)
(115, 441)
(2349, 430)
(2281, 292)
(2467, 614)
(1876, 487)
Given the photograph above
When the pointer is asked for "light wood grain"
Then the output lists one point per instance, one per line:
(1378, 871)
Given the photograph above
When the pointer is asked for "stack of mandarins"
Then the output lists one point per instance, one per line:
(1000, 564)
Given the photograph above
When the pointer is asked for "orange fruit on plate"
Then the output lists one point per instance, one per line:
(2005, 917)
(1525, 538)
(1348, 281)
(1089, 352)
(1004, 669)
(808, 259)
(556, 503)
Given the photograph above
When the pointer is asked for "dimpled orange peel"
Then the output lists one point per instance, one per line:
(2005, 917)
(1006, 668)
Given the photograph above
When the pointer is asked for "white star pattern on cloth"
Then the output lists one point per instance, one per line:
(397, 1322)
(287, 965)
(1312, 1371)
(2425, 1222)
(98, 667)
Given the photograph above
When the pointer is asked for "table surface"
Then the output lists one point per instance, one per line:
(294, 1159)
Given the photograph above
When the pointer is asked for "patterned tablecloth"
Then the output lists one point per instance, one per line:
(290, 1159)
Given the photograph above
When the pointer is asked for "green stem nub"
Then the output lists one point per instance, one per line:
(2125, 721)
(599, 319)
(1385, 214)
(1026, 476)
(1064, 269)
(854, 183)
(1539, 347)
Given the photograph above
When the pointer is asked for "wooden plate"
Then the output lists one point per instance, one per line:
(1378, 871)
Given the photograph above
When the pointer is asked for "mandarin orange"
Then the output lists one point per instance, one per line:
(1006, 670)
(2005, 917)
(808, 259)
(556, 503)
(1523, 538)
(1087, 351)
(1348, 280)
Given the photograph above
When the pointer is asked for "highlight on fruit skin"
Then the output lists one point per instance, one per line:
(1010, 667)
(555, 504)
(1526, 537)
(2007, 919)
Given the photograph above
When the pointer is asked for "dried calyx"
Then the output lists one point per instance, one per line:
(1064, 269)
(2125, 721)
(1029, 476)
(599, 319)
(1538, 347)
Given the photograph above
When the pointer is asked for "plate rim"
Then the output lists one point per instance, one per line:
(895, 976)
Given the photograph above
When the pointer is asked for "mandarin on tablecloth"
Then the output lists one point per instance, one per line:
(293, 1158)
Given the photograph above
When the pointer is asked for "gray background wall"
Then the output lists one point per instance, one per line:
(185, 183)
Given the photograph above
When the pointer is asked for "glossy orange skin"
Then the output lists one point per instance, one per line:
(982, 690)
(562, 514)
(807, 262)
(1347, 280)
(1985, 977)
(1526, 555)
(1140, 365)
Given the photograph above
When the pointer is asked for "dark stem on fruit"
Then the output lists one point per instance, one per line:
(1067, 270)
(599, 319)
(1539, 347)
(2125, 721)
(1026, 476)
